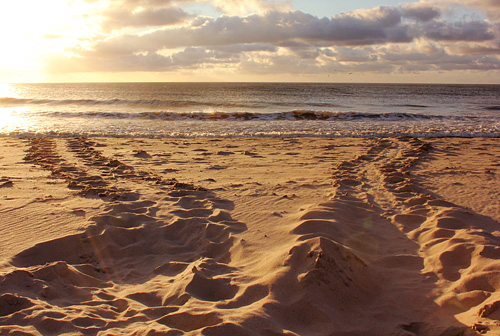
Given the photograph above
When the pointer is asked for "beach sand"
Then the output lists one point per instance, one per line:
(250, 236)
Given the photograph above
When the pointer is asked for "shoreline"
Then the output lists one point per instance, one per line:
(250, 236)
(243, 137)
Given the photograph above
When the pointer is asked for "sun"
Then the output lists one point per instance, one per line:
(32, 30)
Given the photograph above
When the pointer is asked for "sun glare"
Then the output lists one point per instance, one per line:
(9, 121)
(33, 30)
(6, 91)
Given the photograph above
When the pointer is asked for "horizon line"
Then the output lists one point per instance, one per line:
(250, 82)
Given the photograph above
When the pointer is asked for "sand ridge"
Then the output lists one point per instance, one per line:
(252, 237)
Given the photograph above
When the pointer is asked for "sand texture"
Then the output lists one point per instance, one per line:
(114, 236)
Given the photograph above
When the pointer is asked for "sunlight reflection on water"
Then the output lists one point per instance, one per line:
(8, 90)
(13, 119)
(10, 121)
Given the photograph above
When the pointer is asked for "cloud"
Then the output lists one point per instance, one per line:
(434, 57)
(490, 8)
(378, 26)
(420, 11)
(135, 3)
(301, 50)
(189, 58)
(367, 27)
(226, 30)
(232, 7)
(364, 27)
(460, 31)
(118, 18)
(245, 48)
(413, 37)
(476, 48)
(238, 7)
(356, 55)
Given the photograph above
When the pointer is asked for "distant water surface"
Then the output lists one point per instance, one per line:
(249, 109)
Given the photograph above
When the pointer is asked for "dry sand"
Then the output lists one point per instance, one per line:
(113, 236)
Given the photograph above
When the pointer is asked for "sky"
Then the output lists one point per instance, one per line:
(423, 41)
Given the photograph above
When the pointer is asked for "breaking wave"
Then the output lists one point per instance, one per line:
(243, 116)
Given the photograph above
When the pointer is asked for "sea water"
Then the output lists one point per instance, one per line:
(249, 110)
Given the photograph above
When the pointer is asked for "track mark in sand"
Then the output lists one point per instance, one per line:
(134, 265)
(343, 244)
(85, 149)
(451, 238)
(43, 152)
(446, 233)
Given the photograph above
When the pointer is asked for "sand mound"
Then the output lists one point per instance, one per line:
(112, 275)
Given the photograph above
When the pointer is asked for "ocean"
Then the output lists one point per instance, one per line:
(249, 110)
